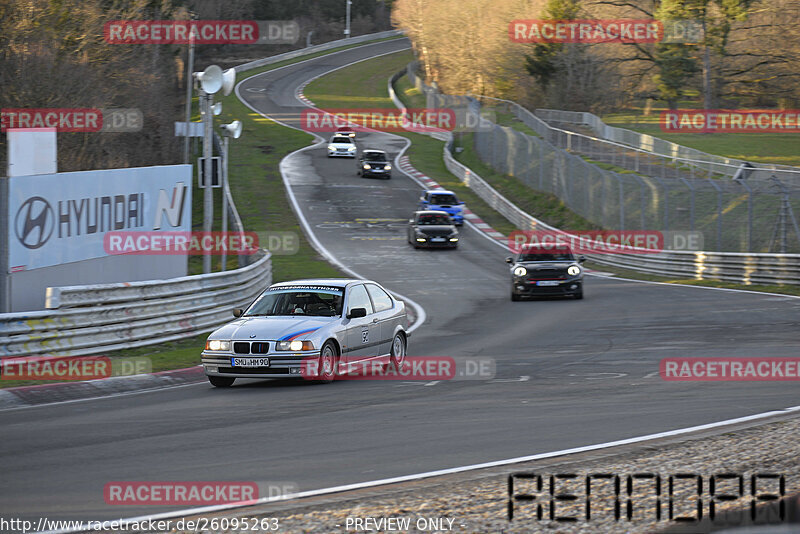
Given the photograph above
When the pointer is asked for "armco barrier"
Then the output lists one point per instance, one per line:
(316, 48)
(744, 268)
(99, 318)
(655, 145)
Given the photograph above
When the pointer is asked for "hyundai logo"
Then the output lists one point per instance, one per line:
(35, 222)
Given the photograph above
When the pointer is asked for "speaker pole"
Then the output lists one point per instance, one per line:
(208, 193)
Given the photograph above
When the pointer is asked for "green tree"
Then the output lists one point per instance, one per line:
(540, 63)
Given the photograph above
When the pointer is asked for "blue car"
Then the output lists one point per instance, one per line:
(443, 200)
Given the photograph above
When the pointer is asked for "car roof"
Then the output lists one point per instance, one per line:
(373, 150)
(349, 139)
(441, 191)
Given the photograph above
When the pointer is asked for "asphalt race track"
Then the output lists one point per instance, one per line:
(568, 373)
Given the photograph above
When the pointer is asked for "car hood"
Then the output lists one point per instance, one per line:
(271, 328)
(437, 229)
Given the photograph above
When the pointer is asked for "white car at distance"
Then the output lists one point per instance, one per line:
(342, 146)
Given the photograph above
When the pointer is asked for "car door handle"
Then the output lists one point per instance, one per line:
(375, 320)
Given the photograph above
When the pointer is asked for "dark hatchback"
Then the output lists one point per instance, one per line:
(432, 229)
(374, 163)
(546, 270)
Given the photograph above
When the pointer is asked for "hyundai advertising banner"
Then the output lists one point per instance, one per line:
(63, 218)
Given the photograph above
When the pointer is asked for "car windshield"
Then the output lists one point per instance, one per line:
(375, 156)
(320, 302)
(546, 254)
(443, 199)
(432, 219)
(341, 140)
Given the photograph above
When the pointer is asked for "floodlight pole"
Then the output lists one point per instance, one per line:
(189, 83)
(225, 139)
(208, 193)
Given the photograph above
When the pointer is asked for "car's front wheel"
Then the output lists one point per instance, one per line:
(328, 362)
(515, 296)
(398, 354)
(221, 381)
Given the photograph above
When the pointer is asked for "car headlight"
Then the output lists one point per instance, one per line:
(520, 271)
(421, 239)
(295, 345)
(453, 239)
(331, 148)
(367, 166)
(217, 344)
(574, 270)
(387, 168)
(352, 134)
(351, 148)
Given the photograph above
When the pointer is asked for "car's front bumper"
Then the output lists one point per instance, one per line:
(569, 286)
(281, 365)
(376, 172)
(341, 154)
(429, 243)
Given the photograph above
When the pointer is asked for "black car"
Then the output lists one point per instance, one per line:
(432, 229)
(545, 269)
(374, 163)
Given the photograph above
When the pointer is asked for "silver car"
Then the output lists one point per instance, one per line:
(332, 323)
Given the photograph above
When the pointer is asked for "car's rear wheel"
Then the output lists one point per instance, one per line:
(398, 353)
(221, 381)
(328, 362)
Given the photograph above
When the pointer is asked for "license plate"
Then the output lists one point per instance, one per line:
(437, 239)
(250, 362)
(547, 283)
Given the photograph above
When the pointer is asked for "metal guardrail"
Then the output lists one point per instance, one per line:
(100, 318)
(316, 48)
(744, 268)
(654, 145)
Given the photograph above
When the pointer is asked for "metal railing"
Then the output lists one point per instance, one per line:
(95, 319)
(745, 268)
(316, 48)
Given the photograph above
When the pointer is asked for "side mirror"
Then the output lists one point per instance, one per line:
(461, 203)
(581, 259)
(411, 221)
(237, 312)
(509, 260)
(355, 313)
